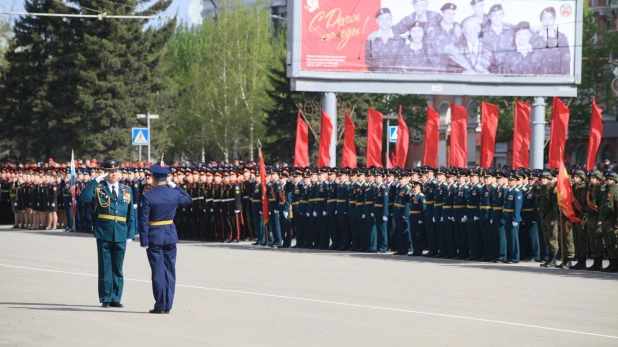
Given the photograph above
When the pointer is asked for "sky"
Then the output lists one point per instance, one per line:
(182, 7)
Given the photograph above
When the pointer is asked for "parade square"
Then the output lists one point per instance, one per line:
(243, 295)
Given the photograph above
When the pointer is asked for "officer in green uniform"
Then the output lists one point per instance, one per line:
(380, 211)
(510, 219)
(113, 228)
(548, 212)
(591, 218)
(580, 234)
(608, 220)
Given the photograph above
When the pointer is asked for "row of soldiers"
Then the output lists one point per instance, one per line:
(482, 215)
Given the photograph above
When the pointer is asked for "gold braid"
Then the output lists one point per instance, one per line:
(98, 191)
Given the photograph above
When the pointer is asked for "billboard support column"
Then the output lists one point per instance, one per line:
(329, 105)
(537, 142)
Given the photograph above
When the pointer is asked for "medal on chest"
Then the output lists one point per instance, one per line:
(126, 196)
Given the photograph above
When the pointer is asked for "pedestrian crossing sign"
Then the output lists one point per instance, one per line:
(392, 133)
(140, 136)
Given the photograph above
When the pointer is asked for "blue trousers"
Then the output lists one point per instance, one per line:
(332, 224)
(449, 237)
(323, 240)
(379, 238)
(344, 231)
(432, 237)
(275, 228)
(500, 241)
(402, 228)
(512, 242)
(441, 228)
(162, 261)
(488, 233)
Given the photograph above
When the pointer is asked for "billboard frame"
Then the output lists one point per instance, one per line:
(427, 84)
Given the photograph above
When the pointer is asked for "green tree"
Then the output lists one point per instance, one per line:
(6, 34)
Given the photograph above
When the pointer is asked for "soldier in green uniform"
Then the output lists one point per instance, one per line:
(591, 218)
(580, 234)
(548, 212)
(608, 220)
(113, 228)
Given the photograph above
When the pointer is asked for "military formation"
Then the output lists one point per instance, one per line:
(466, 214)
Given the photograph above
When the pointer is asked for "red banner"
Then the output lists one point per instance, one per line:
(403, 142)
(348, 155)
(301, 150)
(521, 137)
(264, 192)
(459, 136)
(489, 122)
(557, 136)
(374, 138)
(326, 135)
(596, 133)
(565, 194)
(432, 138)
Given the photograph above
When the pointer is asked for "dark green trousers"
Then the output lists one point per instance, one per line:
(111, 281)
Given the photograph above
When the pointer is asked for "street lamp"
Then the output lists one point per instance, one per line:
(148, 117)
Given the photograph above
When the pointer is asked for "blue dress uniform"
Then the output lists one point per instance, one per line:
(401, 212)
(313, 220)
(430, 227)
(439, 193)
(158, 234)
(332, 222)
(360, 227)
(380, 211)
(258, 217)
(112, 228)
(392, 190)
(285, 210)
(485, 206)
(371, 235)
(297, 216)
(529, 217)
(449, 223)
(306, 214)
(460, 221)
(352, 213)
(68, 205)
(499, 245)
(136, 197)
(343, 194)
(321, 195)
(473, 225)
(417, 219)
(511, 218)
(274, 189)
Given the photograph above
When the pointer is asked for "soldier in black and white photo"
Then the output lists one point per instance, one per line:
(478, 6)
(381, 51)
(469, 55)
(498, 38)
(525, 60)
(429, 19)
(413, 56)
(447, 33)
(552, 45)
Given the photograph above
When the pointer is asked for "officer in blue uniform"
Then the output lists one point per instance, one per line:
(511, 218)
(447, 214)
(379, 239)
(459, 216)
(430, 229)
(157, 233)
(485, 206)
(256, 210)
(343, 193)
(499, 244)
(401, 212)
(332, 223)
(113, 228)
(475, 238)
(417, 218)
(438, 218)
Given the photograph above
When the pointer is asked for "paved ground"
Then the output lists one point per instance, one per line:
(239, 295)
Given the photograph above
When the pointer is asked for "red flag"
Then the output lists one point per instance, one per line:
(596, 132)
(432, 137)
(403, 141)
(348, 155)
(565, 194)
(264, 192)
(374, 139)
(489, 122)
(459, 136)
(326, 134)
(521, 139)
(301, 150)
(557, 137)
(391, 160)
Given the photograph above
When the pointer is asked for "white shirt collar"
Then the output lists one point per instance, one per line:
(117, 186)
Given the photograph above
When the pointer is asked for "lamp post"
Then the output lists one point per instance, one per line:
(148, 117)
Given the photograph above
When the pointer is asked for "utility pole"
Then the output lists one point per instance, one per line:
(148, 117)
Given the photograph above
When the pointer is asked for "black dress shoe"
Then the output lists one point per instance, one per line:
(255, 244)
(116, 305)
(105, 305)
(167, 311)
(157, 311)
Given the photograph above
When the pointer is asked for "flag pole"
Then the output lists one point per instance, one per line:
(561, 225)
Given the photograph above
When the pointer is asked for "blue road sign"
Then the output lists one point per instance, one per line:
(392, 133)
(140, 136)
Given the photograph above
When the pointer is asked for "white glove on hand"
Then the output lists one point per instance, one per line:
(491, 221)
(100, 178)
(135, 206)
(441, 219)
(463, 220)
(307, 214)
(315, 214)
(129, 240)
(433, 219)
(384, 218)
(236, 211)
(211, 210)
(476, 218)
(276, 211)
(335, 213)
(260, 212)
(420, 222)
(285, 214)
(514, 224)
(324, 213)
(363, 216)
(372, 214)
(171, 184)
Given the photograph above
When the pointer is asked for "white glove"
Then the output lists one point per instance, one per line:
(533, 222)
(491, 221)
(324, 213)
(363, 216)
(335, 213)
(514, 224)
(463, 220)
(171, 184)
(129, 240)
(220, 210)
(372, 214)
(315, 214)
(211, 210)
(307, 214)
(476, 218)
(276, 211)
(433, 219)
(420, 222)
(135, 206)
(260, 212)
(441, 219)
(285, 214)
(100, 178)
(236, 211)
(384, 218)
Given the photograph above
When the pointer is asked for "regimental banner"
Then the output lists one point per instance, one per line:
(491, 37)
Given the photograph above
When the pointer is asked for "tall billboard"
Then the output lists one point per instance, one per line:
(471, 47)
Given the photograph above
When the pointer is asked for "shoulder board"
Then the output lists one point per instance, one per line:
(408, 185)
(122, 186)
(347, 183)
(421, 194)
(516, 189)
(524, 189)
(494, 185)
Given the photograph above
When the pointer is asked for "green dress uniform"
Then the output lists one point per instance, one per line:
(380, 210)
(608, 218)
(114, 225)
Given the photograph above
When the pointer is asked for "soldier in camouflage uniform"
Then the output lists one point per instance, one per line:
(591, 218)
(608, 220)
(548, 212)
(580, 234)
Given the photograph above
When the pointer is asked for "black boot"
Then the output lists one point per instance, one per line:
(613, 266)
(581, 264)
(566, 264)
(598, 264)
(551, 262)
